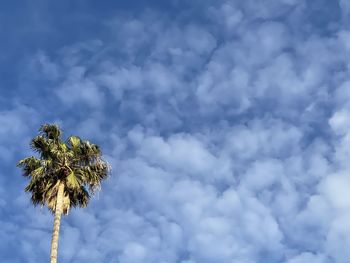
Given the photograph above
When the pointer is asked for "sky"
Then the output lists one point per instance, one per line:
(226, 123)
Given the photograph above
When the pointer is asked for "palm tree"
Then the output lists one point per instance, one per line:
(65, 174)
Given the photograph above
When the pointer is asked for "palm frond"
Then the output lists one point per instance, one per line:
(80, 197)
(74, 142)
(41, 145)
(72, 181)
(29, 165)
(51, 131)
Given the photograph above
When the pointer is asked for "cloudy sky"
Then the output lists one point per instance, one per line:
(226, 122)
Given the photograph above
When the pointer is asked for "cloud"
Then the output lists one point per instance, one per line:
(226, 125)
(340, 122)
(308, 257)
(78, 89)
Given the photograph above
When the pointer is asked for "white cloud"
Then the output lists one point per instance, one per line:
(342, 94)
(308, 257)
(340, 122)
(185, 155)
(262, 175)
(228, 134)
(79, 89)
(335, 188)
(69, 242)
(338, 239)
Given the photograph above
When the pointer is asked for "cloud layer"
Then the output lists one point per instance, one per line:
(226, 124)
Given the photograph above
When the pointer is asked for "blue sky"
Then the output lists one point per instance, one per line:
(227, 124)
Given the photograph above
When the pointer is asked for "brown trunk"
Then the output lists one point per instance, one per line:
(57, 222)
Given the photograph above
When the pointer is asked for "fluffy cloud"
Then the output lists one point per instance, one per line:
(226, 124)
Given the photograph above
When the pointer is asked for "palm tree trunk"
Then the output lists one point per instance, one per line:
(57, 222)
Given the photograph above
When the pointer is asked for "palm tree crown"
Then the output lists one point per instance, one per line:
(74, 163)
